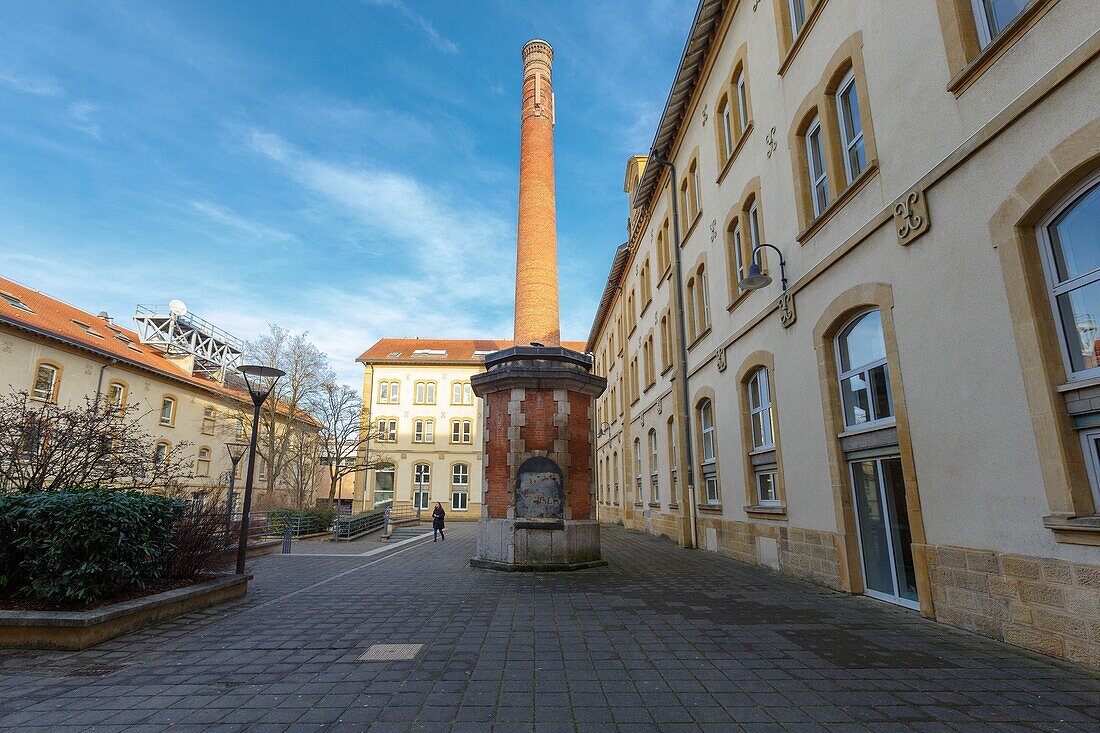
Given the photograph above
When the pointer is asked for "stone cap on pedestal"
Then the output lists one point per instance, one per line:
(538, 367)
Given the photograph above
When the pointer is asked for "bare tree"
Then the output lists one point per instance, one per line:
(301, 467)
(49, 447)
(346, 437)
(307, 370)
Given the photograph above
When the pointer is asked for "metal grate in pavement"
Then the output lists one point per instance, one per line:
(390, 652)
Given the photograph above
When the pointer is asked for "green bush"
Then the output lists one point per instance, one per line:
(83, 545)
(318, 520)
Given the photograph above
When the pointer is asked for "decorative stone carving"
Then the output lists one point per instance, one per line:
(787, 314)
(911, 219)
(705, 115)
(721, 353)
(713, 230)
(771, 141)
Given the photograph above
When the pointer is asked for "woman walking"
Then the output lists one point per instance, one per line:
(438, 521)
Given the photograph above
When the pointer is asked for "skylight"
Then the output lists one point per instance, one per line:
(86, 328)
(483, 352)
(430, 352)
(395, 353)
(15, 302)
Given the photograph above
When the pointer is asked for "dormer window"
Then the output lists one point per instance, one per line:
(86, 328)
(15, 302)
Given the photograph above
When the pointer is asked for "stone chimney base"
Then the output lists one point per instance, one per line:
(539, 492)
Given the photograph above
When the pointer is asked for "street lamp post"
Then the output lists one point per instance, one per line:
(236, 453)
(260, 381)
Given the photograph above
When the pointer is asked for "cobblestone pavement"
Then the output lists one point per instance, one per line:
(664, 639)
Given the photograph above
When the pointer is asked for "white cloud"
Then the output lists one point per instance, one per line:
(221, 215)
(82, 118)
(443, 44)
(41, 87)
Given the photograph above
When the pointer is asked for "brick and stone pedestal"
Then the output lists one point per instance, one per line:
(538, 511)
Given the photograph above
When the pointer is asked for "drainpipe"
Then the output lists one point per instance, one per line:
(99, 384)
(681, 326)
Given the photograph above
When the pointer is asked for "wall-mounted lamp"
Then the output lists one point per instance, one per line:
(757, 279)
(605, 428)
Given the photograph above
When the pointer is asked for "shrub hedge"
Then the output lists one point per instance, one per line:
(83, 545)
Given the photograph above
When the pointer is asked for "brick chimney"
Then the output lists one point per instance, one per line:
(537, 239)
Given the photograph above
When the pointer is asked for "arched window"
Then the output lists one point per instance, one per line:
(383, 484)
(116, 396)
(797, 10)
(615, 477)
(424, 430)
(460, 486)
(202, 464)
(851, 127)
(160, 455)
(725, 120)
(760, 409)
(864, 375)
(673, 457)
(1070, 240)
(815, 167)
(993, 16)
(692, 315)
(45, 382)
(422, 484)
(708, 451)
(654, 481)
(387, 430)
(702, 300)
(637, 470)
(424, 393)
(168, 411)
(735, 252)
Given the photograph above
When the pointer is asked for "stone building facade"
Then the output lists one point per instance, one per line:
(60, 353)
(417, 393)
(911, 415)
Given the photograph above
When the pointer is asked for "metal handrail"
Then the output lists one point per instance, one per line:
(349, 527)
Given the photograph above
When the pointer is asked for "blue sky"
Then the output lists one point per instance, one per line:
(346, 167)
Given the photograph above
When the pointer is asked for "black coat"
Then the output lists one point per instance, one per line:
(438, 517)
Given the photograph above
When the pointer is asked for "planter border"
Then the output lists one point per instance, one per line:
(82, 629)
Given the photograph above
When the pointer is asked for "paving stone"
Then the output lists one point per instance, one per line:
(664, 639)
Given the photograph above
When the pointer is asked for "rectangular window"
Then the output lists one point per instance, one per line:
(387, 430)
(851, 128)
(160, 456)
(422, 480)
(467, 431)
(815, 159)
(116, 396)
(654, 481)
(424, 431)
(738, 251)
(384, 392)
(993, 16)
(765, 488)
(711, 483)
(202, 465)
(760, 409)
(742, 102)
(798, 16)
(383, 484)
(727, 130)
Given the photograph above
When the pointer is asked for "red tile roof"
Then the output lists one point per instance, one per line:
(58, 320)
(456, 351)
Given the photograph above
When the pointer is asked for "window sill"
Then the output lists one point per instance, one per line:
(737, 146)
(884, 425)
(645, 307)
(691, 229)
(759, 451)
(741, 295)
(632, 330)
(715, 508)
(666, 370)
(839, 203)
(700, 337)
(998, 47)
(1074, 530)
(654, 505)
(767, 511)
(799, 41)
(674, 507)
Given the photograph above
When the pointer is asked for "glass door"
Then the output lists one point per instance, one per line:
(882, 520)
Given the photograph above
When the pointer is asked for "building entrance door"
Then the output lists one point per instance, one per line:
(882, 521)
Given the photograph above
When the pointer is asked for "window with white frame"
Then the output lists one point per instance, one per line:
(654, 480)
(1070, 244)
(383, 483)
(760, 410)
(116, 396)
(737, 250)
(742, 101)
(851, 127)
(637, 470)
(673, 458)
(864, 376)
(424, 393)
(993, 16)
(460, 486)
(168, 411)
(461, 393)
(696, 190)
(389, 392)
(709, 457)
(198, 500)
(765, 488)
(160, 455)
(422, 482)
(45, 383)
(209, 420)
(798, 16)
(387, 430)
(202, 463)
(615, 477)
(815, 165)
(725, 119)
(424, 430)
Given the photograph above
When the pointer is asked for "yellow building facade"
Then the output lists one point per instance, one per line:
(910, 413)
